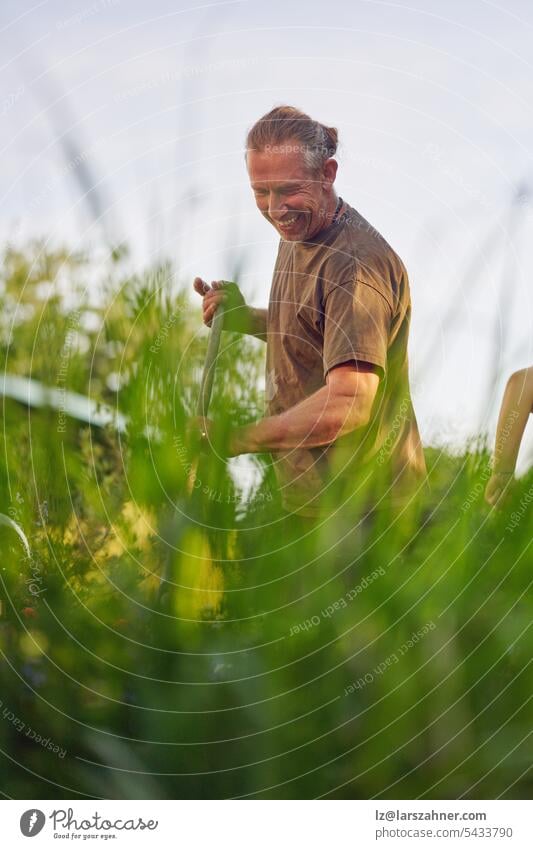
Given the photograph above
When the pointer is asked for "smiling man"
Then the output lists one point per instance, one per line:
(336, 329)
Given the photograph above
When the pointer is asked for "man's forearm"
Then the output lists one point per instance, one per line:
(314, 422)
(257, 323)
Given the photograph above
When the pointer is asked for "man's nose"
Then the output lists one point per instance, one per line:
(276, 208)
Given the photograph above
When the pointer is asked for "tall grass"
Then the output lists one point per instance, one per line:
(384, 656)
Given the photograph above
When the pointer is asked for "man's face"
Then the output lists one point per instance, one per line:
(292, 198)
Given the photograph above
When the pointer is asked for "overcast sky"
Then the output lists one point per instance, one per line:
(151, 103)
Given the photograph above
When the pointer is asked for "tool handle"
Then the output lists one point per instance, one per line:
(208, 376)
(202, 407)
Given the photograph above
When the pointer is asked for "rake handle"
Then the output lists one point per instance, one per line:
(208, 375)
(206, 385)
(202, 408)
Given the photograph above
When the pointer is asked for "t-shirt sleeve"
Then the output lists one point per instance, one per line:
(357, 322)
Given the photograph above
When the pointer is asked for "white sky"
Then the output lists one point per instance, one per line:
(433, 104)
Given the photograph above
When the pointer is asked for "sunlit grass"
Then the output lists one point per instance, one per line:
(180, 644)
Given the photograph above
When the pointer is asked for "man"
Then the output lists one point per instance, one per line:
(336, 329)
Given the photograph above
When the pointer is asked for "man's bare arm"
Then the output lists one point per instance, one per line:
(339, 407)
(258, 323)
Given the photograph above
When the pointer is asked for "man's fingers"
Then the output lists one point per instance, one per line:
(200, 286)
(203, 288)
(209, 309)
(209, 312)
(213, 296)
(211, 303)
(495, 496)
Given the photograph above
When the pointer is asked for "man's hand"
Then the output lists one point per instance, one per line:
(497, 488)
(236, 312)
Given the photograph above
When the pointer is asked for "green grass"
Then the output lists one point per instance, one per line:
(386, 658)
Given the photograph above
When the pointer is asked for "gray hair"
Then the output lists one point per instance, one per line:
(286, 130)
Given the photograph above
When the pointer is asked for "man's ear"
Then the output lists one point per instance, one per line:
(329, 172)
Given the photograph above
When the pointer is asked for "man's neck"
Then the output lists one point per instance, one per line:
(329, 215)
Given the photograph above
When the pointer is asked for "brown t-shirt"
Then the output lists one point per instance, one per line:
(342, 295)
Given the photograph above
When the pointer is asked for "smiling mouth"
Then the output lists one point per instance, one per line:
(288, 222)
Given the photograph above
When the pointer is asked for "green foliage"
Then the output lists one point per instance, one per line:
(386, 655)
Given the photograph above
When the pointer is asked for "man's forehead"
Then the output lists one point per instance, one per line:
(277, 164)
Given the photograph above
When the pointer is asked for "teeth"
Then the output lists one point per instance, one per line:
(288, 221)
